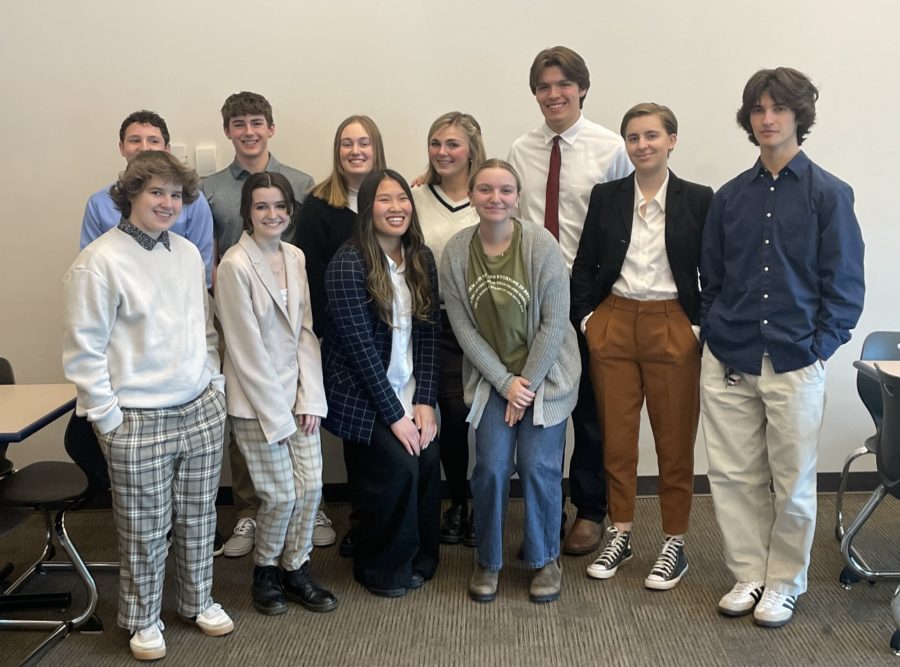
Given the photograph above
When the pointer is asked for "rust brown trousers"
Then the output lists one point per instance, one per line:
(638, 349)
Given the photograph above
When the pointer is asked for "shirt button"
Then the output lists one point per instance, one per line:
(765, 321)
(768, 215)
(772, 189)
(293, 364)
(765, 296)
(767, 241)
(765, 268)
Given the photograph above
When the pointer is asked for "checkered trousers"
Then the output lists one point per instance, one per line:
(165, 461)
(288, 481)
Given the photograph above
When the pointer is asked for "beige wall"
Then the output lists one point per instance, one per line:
(69, 72)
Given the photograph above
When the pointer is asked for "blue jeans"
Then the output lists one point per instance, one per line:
(535, 452)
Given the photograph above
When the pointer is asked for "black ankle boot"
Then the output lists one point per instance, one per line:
(267, 592)
(300, 587)
(452, 524)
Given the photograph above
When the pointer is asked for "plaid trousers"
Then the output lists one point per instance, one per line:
(165, 460)
(288, 482)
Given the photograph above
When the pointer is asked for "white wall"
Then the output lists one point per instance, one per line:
(71, 71)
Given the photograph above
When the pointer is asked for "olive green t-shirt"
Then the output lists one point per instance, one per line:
(499, 296)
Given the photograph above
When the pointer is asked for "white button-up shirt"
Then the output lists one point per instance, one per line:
(399, 372)
(646, 274)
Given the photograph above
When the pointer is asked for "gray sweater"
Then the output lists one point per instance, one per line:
(553, 366)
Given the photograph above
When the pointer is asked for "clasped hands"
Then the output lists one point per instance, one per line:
(417, 433)
(518, 399)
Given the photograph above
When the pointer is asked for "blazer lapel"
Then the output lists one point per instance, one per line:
(295, 293)
(673, 208)
(626, 207)
(263, 272)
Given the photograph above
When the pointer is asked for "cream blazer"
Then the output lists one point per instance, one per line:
(273, 366)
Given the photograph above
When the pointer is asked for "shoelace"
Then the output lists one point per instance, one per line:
(668, 558)
(212, 610)
(614, 549)
(245, 527)
(322, 520)
(150, 632)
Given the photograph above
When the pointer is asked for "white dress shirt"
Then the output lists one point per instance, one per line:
(590, 154)
(399, 372)
(646, 274)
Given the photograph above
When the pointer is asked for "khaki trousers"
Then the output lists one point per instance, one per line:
(646, 349)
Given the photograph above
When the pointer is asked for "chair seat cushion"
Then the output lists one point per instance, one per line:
(43, 483)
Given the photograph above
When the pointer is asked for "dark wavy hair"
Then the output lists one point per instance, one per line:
(145, 117)
(786, 86)
(378, 279)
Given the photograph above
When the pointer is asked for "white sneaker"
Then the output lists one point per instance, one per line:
(214, 621)
(323, 534)
(742, 598)
(148, 644)
(242, 541)
(775, 609)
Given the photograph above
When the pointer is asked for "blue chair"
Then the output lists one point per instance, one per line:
(887, 459)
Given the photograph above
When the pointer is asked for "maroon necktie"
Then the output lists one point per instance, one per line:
(551, 209)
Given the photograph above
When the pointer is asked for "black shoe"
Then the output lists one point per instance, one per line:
(300, 587)
(469, 538)
(267, 592)
(218, 544)
(387, 592)
(347, 545)
(452, 525)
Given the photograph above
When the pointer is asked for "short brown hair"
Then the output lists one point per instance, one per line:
(147, 165)
(145, 117)
(246, 104)
(786, 86)
(264, 179)
(669, 122)
(571, 64)
(470, 128)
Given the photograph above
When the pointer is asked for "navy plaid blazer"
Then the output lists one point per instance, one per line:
(356, 351)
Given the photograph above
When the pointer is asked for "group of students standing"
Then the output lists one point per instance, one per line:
(511, 295)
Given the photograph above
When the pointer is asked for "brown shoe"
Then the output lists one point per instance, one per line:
(584, 538)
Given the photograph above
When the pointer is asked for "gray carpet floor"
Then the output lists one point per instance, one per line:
(613, 622)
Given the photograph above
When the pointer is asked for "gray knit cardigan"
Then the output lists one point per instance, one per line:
(553, 366)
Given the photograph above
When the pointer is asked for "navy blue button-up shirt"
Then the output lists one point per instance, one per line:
(781, 268)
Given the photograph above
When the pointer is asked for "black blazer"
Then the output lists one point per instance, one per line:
(607, 235)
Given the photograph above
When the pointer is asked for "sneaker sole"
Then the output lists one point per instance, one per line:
(324, 542)
(218, 552)
(451, 539)
(606, 574)
(772, 624)
(654, 585)
(236, 553)
(148, 654)
(217, 631)
(734, 613)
